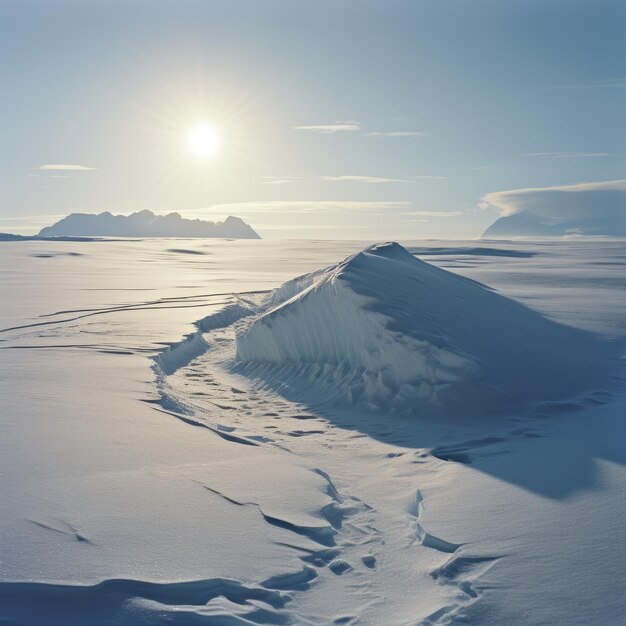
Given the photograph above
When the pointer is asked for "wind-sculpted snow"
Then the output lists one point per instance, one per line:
(182, 353)
(124, 601)
(148, 481)
(386, 331)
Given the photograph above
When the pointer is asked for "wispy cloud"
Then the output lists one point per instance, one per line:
(570, 155)
(27, 224)
(334, 127)
(278, 180)
(365, 179)
(353, 126)
(65, 167)
(434, 213)
(379, 179)
(396, 133)
(39, 219)
(298, 206)
(296, 227)
(346, 178)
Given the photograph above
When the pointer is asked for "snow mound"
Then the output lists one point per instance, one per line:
(384, 330)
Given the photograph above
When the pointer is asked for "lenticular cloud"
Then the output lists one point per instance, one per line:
(586, 209)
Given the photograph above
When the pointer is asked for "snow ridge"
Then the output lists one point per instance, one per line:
(384, 330)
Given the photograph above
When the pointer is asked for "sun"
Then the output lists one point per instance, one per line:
(203, 141)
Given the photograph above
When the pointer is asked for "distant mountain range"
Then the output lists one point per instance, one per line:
(146, 224)
(526, 224)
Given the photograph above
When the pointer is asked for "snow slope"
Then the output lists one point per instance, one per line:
(386, 331)
(146, 481)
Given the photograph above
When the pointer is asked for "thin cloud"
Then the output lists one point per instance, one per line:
(278, 180)
(334, 127)
(27, 224)
(354, 126)
(39, 219)
(296, 227)
(65, 167)
(570, 155)
(396, 133)
(346, 178)
(434, 213)
(298, 206)
(365, 179)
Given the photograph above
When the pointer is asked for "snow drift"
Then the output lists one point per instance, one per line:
(384, 330)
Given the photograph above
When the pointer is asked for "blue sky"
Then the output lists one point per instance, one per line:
(350, 119)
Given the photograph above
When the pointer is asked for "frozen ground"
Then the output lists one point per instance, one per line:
(148, 479)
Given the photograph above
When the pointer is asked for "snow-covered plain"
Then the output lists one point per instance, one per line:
(156, 470)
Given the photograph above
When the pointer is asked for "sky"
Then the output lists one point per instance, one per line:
(343, 119)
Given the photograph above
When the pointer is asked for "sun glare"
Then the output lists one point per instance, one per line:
(203, 141)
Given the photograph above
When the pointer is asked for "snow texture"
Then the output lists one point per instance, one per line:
(386, 331)
(150, 478)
